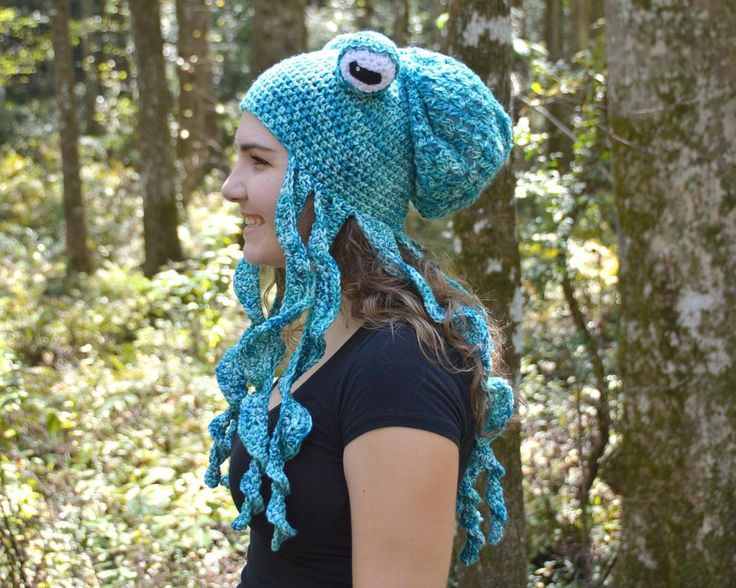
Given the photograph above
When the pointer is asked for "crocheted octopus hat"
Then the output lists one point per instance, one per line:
(368, 128)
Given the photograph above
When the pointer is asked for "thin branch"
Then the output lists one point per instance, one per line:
(550, 117)
(602, 408)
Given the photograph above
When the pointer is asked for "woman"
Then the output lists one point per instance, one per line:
(350, 470)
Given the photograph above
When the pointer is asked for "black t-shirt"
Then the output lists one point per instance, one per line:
(378, 378)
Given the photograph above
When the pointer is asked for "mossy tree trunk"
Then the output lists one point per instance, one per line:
(672, 108)
(487, 252)
(78, 256)
(160, 211)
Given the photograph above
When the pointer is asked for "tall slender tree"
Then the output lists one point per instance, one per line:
(558, 114)
(365, 11)
(487, 251)
(198, 142)
(78, 255)
(672, 109)
(400, 31)
(92, 86)
(160, 214)
(553, 19)
(279, 31)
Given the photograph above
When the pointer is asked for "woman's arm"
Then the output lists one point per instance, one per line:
(402, 484)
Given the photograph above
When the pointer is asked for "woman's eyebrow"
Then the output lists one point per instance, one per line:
(247, 146)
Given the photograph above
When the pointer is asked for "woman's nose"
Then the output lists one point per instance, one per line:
(233, 189)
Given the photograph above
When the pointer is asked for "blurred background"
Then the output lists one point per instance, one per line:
(116, 252)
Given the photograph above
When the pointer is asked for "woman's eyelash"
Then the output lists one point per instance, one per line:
(258, 160)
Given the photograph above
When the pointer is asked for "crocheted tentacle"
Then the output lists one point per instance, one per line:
(499, 409)
(247, 288)
(233, 373)
(467, 507)
(219, 451)
(253, 418)
(231, 376)
(295, 422)
(384, 241)
(482, 459)
(500, 406)
(417, 250)
(414, 248)
(471, 323)
(293, 426)
(498, 392)
(255, 357)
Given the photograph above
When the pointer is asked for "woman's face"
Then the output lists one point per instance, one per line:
(254, 185)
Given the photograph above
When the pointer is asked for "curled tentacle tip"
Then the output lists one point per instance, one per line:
(212, 476)
(496, 533)
(281, 534)
(241, 521)
(297, 425)
(469, 555)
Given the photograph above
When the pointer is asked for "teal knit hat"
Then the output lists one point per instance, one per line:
(368, 128)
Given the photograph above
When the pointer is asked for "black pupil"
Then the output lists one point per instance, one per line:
(364, 75)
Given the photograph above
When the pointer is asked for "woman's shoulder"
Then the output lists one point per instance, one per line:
(396, 380)
(400, 342)
(391, 355)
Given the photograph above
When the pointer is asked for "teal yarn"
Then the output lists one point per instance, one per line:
(369, 128)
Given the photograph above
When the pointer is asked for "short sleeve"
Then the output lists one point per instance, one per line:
(394, 384)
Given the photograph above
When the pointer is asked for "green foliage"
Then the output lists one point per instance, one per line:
(106, 380)
(25, 44)
(566, 230)
(107, 387)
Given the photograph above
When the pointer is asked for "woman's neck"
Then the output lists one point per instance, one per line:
(342, 327)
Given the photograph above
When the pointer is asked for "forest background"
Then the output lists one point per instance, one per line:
(606, 250)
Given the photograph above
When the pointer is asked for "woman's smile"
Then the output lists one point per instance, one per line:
(251, 223)
(250, 228)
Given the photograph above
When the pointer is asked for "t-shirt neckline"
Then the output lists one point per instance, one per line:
(349, 342)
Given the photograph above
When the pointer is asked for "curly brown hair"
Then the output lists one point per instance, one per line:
(382, 299)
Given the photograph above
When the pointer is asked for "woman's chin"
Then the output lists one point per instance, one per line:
(254, 258)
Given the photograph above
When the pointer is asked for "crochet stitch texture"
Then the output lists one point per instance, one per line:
(368, 128)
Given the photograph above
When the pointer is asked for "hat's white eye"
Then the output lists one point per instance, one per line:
(367, 71)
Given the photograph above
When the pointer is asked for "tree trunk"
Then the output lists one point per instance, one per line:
(279, 31)
(581, 15)
(559, 142)
(197, 140)
(160, 215)
(400, 31)
(553, 16)
(486, 238)
(364, 14)
(672, 109)
(599, 10)
(92, 87)
(78, 256)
